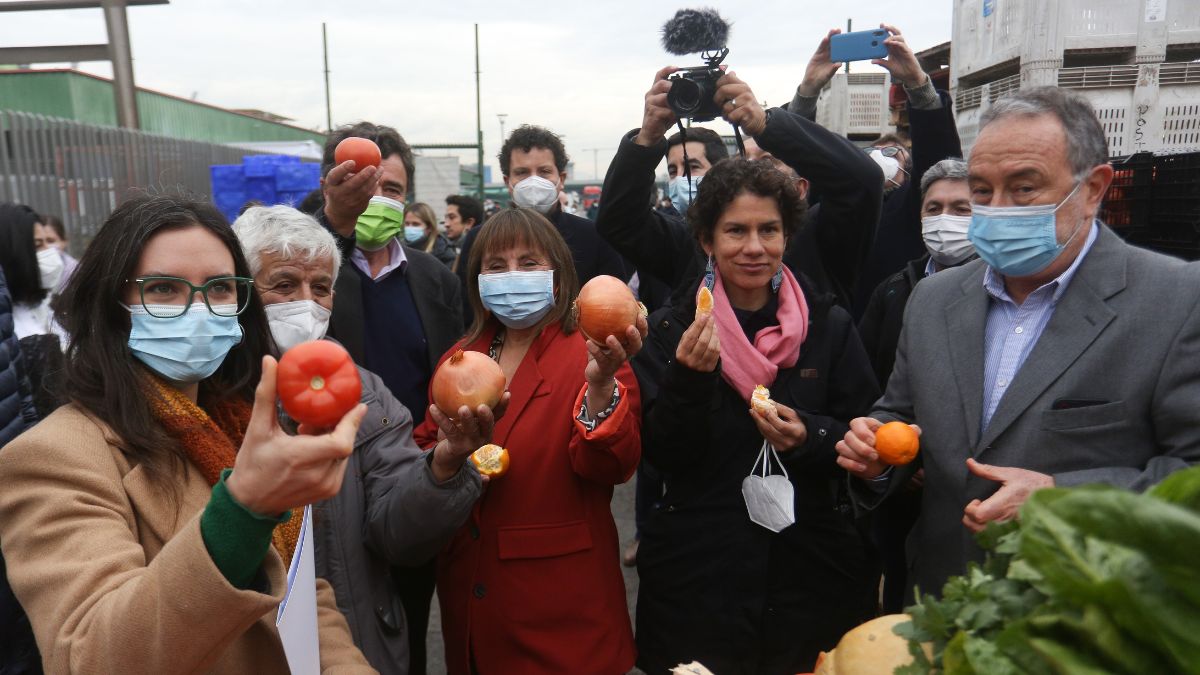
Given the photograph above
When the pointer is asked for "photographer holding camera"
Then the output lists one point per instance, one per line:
(828, 249)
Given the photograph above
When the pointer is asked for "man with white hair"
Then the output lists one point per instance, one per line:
(1017, 367)
(397, 506)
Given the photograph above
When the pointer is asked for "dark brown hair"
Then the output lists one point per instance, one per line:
(102, 375)
(715, 149)
(389, 140)
(55, 223)
(522, 227)
(18, 254)
(468, 207)
(730, 178)
(527, 137)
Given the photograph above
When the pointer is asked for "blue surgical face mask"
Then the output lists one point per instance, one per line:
(518, 299)
(682, 193)
(184, 349)
(1018, 241)
(414, 233)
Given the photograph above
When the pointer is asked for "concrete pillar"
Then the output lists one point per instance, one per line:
(1152, 32)
(1041, 45)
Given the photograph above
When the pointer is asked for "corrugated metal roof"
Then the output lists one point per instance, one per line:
(84, 97)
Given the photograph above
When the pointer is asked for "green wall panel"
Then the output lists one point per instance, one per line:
(90, 100)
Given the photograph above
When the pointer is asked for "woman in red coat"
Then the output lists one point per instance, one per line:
(531, 583)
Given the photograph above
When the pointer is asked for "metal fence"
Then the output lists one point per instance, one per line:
(81, 172)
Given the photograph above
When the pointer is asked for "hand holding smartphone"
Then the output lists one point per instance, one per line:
(860, 45)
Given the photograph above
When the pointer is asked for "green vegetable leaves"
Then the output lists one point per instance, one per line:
(1092, 580)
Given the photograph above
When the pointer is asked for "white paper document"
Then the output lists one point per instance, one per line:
(297, 618)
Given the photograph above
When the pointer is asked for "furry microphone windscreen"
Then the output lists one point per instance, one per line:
(692, 31)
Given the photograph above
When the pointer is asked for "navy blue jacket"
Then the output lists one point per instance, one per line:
(18, 653)
(16, 402)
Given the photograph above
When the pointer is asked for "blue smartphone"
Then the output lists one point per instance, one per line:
(861, 45)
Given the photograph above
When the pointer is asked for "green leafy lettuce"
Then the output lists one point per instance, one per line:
(1091, 580)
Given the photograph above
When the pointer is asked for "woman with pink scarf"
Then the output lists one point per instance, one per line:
(753, 562)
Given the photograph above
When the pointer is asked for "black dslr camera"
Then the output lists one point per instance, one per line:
(692, 89)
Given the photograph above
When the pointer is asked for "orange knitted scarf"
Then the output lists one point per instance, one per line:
(211, 436)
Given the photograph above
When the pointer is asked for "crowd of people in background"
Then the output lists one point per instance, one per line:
(151, 484)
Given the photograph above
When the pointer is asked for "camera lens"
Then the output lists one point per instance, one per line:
(684, 96)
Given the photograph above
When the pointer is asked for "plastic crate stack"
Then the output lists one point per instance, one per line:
(1154, 202)
(1126, 206)
(267, 179)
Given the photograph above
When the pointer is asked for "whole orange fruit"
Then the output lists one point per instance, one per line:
(897, 443)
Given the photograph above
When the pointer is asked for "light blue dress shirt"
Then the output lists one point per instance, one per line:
(1012, 330)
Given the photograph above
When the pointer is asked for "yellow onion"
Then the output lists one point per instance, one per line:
(467, 378)
(605, 306)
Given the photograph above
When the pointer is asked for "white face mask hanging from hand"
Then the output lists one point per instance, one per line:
(770, 498)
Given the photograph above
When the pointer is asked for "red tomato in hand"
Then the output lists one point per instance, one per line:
(363, 151)
(318, 383)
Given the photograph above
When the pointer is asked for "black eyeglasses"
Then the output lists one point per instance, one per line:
(171, 297)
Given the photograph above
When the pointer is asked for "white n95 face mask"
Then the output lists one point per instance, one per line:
(295, 322)
(770, 498)
(890, 166)
(50, 267)
(536, 193)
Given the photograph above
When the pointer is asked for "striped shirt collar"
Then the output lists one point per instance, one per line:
(993, 281)
(397, 260)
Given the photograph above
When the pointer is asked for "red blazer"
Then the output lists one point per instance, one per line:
(532, 582)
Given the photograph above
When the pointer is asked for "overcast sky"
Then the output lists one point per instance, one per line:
(580, 69)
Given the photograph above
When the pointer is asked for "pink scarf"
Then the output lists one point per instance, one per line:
(744, 365)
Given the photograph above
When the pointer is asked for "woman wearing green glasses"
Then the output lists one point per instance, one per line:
(131, 545)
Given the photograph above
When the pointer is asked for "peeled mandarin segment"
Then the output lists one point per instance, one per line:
(896, 443)
(491, 460)
(704, 301)
(761, 401)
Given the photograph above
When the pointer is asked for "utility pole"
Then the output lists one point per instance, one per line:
(849, 22)
(121, 55)
(328, 108)
(595, 161)
(478, 115)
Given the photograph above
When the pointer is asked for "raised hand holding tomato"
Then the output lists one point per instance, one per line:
(275, 472)
(350, 184)
(362, 151)
(318, 383)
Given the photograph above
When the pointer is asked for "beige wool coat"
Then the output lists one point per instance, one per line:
(117, 579)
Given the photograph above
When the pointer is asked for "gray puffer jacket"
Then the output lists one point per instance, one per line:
(390, 511)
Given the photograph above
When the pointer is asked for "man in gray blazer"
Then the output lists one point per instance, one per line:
(1064, 356)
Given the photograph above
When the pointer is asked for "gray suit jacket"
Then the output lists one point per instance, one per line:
(1109, 394)
(390, 511)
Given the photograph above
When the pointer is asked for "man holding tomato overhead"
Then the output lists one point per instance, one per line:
(396, 505)
(398, 309)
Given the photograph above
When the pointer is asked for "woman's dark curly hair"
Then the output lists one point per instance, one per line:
(729, 178)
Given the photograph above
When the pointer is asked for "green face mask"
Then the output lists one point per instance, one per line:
(383, 219)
